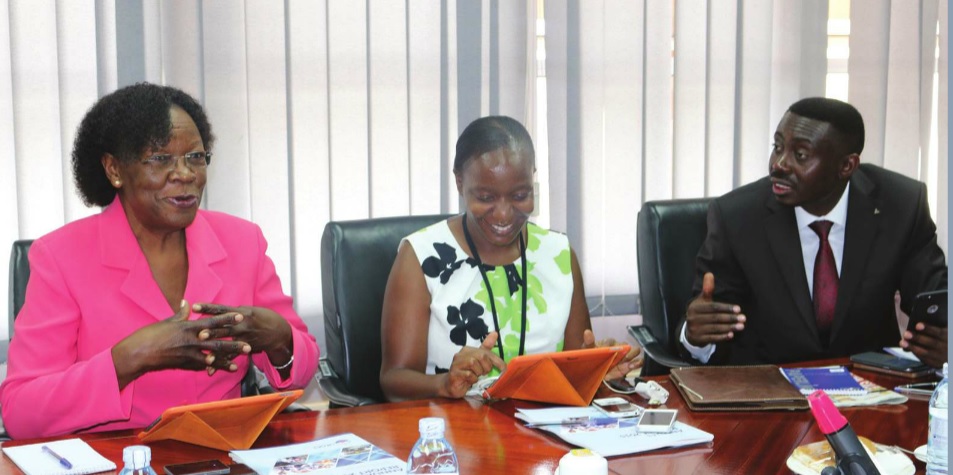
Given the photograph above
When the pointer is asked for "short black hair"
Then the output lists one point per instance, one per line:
(125, 124)
(841, 115)
(488, 134)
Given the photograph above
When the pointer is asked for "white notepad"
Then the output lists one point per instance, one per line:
(34, 461)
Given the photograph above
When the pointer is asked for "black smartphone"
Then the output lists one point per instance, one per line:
(889, 362)
(240, 469)
(620, 385)
(929, 308)
(205, 467)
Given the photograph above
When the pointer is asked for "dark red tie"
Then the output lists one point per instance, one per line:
(825, 280)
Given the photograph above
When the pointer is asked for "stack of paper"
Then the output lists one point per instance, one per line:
(901, 353)
(558, 415)
(874, 395)
(340, 454)
(843, 387)
(587, 427)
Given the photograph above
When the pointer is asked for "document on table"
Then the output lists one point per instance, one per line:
(901, 353)
(558, 415)
(582, 427)
(875, 395)
(82, 458)
(341, 454)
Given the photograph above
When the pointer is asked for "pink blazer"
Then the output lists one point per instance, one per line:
(90, 286)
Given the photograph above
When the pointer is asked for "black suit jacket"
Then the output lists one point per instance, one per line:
(754, 251)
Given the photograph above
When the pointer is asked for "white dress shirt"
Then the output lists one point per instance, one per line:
(810, 242)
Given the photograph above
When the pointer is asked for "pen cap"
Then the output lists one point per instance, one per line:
(137, 457)
(829, 419)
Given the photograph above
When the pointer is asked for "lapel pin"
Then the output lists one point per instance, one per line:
(876, 210)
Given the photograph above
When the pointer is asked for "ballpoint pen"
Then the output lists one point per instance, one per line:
(922, 389)
(578, 421)
(62, 460)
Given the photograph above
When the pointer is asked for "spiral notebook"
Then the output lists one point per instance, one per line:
(830, 379)
(34, 461)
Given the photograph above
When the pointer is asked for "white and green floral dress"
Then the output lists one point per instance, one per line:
(460, 312)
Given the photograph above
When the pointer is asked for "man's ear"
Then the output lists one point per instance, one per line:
(848, 164)
(459, 179)
(111, 167)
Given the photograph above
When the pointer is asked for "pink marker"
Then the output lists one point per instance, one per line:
(849, 454)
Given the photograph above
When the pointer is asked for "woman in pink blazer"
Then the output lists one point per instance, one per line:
(152, 303)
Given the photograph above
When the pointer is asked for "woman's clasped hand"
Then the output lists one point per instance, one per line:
(259, 329)
(178, 342)
(210, 342)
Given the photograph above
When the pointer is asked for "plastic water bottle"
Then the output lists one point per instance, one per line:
(136, 460)
(937, 449)
(432, 453)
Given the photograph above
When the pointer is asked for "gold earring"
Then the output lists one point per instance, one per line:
(117, 182)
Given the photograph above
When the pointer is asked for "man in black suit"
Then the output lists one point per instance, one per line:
(772, 287)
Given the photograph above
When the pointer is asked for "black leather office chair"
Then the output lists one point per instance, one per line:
(253, 383)
(356, 257)
(19, 275)
(670, 233)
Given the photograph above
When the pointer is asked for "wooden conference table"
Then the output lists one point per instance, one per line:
(489, 440)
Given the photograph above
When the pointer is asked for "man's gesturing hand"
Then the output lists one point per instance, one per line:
(707, 321)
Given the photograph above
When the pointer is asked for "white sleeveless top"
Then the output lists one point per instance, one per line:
(460, 311)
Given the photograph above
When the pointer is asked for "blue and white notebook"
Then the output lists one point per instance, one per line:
(830, 379)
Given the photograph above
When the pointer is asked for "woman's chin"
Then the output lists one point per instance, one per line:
(181, 219)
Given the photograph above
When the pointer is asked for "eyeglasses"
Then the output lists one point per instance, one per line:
(166, 162)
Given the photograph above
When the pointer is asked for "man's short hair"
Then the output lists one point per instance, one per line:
(841, 115)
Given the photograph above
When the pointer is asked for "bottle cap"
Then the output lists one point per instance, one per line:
(582, 462)
(431, 424)
(137, 456)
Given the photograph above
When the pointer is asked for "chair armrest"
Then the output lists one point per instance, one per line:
(654, 349)
(266, 388)
(339, 395)
(254, 383)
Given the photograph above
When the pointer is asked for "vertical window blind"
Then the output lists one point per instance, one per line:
(335, 110)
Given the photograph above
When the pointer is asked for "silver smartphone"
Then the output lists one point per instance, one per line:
(657, 420)
(617, 407)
